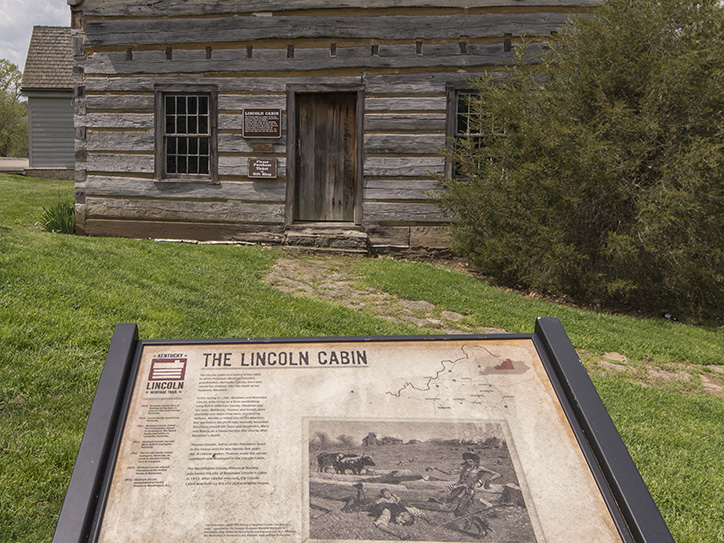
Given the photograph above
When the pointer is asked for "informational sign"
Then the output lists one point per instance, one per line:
(447, 439)
(262, 123)
(263, 168)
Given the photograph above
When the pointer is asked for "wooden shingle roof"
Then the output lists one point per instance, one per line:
(49, 64)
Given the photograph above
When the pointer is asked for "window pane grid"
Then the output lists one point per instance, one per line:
(467, 123)
(467, 118)
(187, 137)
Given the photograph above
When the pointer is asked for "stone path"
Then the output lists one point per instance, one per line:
(334, 279)
(329, 279)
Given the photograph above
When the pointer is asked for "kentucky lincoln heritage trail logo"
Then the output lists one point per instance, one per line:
(167, 373)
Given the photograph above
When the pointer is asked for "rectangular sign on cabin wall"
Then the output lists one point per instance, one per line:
(262, 168)
(262, 123)
(465, 438)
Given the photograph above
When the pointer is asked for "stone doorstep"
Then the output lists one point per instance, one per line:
(332, 236)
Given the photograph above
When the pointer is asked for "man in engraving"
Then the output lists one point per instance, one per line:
(387, 510)
(462, 499)
(472, 476)
(392, 513)
(387, 497)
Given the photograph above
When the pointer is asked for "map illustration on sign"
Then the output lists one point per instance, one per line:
(423, 481)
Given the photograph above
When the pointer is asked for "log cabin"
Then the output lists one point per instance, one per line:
(305, 122)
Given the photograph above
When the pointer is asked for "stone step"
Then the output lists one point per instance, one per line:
(330, 236)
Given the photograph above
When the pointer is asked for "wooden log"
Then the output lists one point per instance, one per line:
(123, 8)
(231, 141)
(404, 144)
(415, 26)
(120, 102)
(405, 122)
(401, 84)
(238, 102)
(431, 237)
(267, 233)
(108, 163)
(128, 187)
(402, 213)
(184, 210)
(119, 120)
(406, 103)
(114, 141)
(114, 163)
(410, 83)
(274, 60)
(389, 236)
(396, 189)
(416, 167)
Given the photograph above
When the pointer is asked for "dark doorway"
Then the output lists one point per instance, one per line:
(326, 156)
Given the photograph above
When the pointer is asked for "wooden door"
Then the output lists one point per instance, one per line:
(326, 157)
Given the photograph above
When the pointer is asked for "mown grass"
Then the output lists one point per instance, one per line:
(61, 296)
(656, 340)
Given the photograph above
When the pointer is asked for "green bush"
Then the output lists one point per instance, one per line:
(59, 217)
(13, 112)
(599, 174)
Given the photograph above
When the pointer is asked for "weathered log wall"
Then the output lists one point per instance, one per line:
(404, 53)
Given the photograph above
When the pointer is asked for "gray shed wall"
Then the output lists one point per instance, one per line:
(50, 130)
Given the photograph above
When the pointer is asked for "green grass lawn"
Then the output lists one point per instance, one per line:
(61, 296)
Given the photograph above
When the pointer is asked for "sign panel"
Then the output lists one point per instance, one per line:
(468, 438)
(262, 123)
(263, 168)
(457, 440)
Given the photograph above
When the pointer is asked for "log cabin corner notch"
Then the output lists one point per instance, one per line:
(351, 100)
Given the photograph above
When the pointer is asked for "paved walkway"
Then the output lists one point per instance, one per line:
(13, 165)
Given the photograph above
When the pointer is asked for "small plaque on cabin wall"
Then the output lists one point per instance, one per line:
(263, 168)
(262, 123)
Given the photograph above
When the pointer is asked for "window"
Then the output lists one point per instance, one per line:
(186, 133)
(466, 118)
(463, 122)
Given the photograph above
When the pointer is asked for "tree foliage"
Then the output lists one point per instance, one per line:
(13, 112)
(599, 173)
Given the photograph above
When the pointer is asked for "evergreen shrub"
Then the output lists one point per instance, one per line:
(599, 170)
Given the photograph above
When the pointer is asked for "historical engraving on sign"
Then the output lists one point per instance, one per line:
(262, 123)
(349, 441)
(263, 168)
(424, 481)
